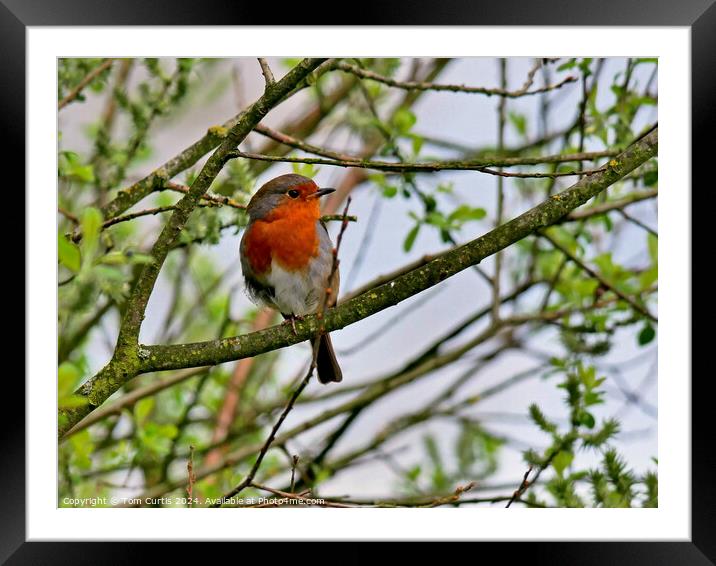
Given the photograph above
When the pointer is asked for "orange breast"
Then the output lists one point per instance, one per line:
(287, 235)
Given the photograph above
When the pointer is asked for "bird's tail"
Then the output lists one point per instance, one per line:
(326, 362)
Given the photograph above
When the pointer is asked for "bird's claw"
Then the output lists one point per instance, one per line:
(292, 319)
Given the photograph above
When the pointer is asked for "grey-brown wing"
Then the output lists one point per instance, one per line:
(323, 268)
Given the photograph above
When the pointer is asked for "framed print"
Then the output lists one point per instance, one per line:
(407, 274)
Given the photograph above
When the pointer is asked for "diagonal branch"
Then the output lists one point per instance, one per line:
(92, 75)
(157, 358)
(408, 284)
(602, 280)
(125, 362)
(215, 135)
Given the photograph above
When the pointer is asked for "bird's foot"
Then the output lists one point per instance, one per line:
(292, 319)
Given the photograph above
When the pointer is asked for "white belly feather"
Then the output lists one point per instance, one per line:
(294, 293)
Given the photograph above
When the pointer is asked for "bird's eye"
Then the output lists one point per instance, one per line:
(293, 193)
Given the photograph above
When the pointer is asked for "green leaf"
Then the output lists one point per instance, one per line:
(142, 409)
(403, 120)
(72, 401)
(410, 238)
(646, 335)
(564, 238)
(653, 244)
(91, 226)
(436, 218)
(114, 258)
(122, 257)
(586, 419)
(322, 475)
(562, 460)
(519, 121)
(71, 167)
(568, 65)
(584, 66)
(417, 144)
(464, 213)
(305, 169)
(430, 203)
(541, 420)
(141, 259)
(82, 449)
(648, 278)
(389, 191)
(651, 178)
(108, 273)
(593, 398)
(68, 377)
(68, 253)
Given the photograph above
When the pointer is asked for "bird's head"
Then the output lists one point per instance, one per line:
(285, 194)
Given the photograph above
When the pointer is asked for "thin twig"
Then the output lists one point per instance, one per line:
(412, 85)
(638, 223)
(522, 487)
(604, 282)
(191, 476)
(608, 206)
(67, 214)
(131, 398)
(246, 482)
(92, 75)
(298, 497)
(294, 463)
(266, 72)
(429, 167)
(501, 119)
(526, 482)
(219, 199)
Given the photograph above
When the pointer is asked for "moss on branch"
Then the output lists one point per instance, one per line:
(128, 355)
(408, 284)
(143, 359)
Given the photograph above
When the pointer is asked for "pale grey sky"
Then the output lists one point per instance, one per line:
(470, 120)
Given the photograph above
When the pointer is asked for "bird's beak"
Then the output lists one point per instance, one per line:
(321, 192)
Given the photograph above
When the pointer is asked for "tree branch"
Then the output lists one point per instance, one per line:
(296, 143)
(125, 362)
(156, 358)
(483, 166)
(408, 284)
(215, 135)
(266, 72)
(602, 280)
(92, 75)
(610, 205)
(413, 85)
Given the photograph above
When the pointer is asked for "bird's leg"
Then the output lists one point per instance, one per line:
(292, 318)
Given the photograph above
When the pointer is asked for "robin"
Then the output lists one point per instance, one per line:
(287, 257)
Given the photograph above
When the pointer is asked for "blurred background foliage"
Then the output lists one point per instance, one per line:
(157, 424)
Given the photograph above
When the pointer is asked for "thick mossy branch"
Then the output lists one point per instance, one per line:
(129, 330)
(145, 359)
(125, 362)
(128, 197)
(405, 286)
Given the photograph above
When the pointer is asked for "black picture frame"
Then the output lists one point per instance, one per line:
(699, 15)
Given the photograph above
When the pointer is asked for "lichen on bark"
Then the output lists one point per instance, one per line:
(127, 363)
